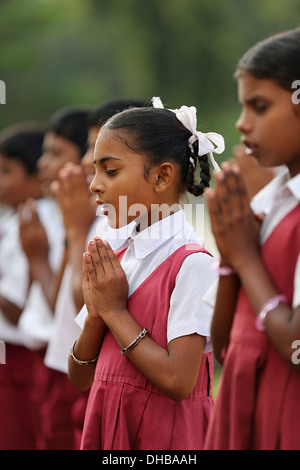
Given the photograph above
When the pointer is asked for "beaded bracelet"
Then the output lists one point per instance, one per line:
(222, 270)
(78, 361)
(134, 342)
(267, 307)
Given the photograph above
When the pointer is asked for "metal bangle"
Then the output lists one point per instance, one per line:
(78, 361)
(134, 342)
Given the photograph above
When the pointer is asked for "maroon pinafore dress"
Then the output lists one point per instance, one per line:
(125, 411)
(258, 402)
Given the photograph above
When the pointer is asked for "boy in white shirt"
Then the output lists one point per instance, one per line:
(20, 148)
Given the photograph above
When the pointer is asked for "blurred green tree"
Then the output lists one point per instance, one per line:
(56, 53)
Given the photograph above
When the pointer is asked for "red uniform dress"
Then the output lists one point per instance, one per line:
(17, 427)
(59, 408)
(258, 402)
(125, 411)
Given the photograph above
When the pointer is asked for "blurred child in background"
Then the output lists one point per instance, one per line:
(20, 149)
(256, 322)
(78, 206)
(43, 240)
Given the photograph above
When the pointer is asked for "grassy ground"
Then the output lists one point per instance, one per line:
(217, 376)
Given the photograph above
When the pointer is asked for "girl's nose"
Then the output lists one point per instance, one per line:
(243, 123)
(42, 161)
(96, 185)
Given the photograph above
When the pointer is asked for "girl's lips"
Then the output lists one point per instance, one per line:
(103, 207)
(250, 147)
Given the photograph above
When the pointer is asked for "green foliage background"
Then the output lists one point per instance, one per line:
(57, 53)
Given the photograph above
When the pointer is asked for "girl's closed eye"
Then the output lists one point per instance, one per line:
(260, 107)
(110, 172)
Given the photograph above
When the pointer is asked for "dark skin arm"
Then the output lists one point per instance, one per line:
(10, 311)
(35, 245)
(173, 370)
(79, 212)
(228, 288)
(236, 230)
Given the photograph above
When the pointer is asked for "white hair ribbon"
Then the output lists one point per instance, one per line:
(156, 102)
(208, 143)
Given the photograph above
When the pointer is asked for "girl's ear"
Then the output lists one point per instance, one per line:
(165, 177)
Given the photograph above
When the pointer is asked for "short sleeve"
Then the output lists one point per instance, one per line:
(296, 297)
(81, 316)
(14, 270)
(188, 313)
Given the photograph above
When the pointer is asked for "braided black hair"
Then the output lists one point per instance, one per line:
(158, 134)
(205, 175)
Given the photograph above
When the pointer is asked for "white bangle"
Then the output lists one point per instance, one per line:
(134, 342)
(267, 307)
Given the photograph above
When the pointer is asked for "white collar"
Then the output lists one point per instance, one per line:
(118, 237)
(152, 237)
(264, 199)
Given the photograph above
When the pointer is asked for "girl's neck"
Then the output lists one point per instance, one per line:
(157, 213)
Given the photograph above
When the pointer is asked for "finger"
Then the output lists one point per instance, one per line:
(88, 270)
(77, 181)
(104, 256)
(95, 258)
(55, 189)
(85, 261)
(215, 212)
(112, 256)
(242, 190)
(223, 195)
(64, 179)
(234, 186)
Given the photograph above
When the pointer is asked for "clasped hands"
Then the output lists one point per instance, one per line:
(233, 223)
(104, 285)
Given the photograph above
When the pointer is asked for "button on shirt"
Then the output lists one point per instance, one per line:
(146, 250)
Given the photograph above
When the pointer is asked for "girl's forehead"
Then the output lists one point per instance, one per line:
(107, 139)
(110, 143)
(251, 88)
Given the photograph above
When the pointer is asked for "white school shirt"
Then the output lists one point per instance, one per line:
(151, 247)
(14, 274)
(65, 330)
(275, 201)
(36, 321)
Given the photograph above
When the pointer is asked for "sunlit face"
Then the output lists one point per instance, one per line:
(120, 182)
(269, 122)
(57, 151)
(15, 182)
